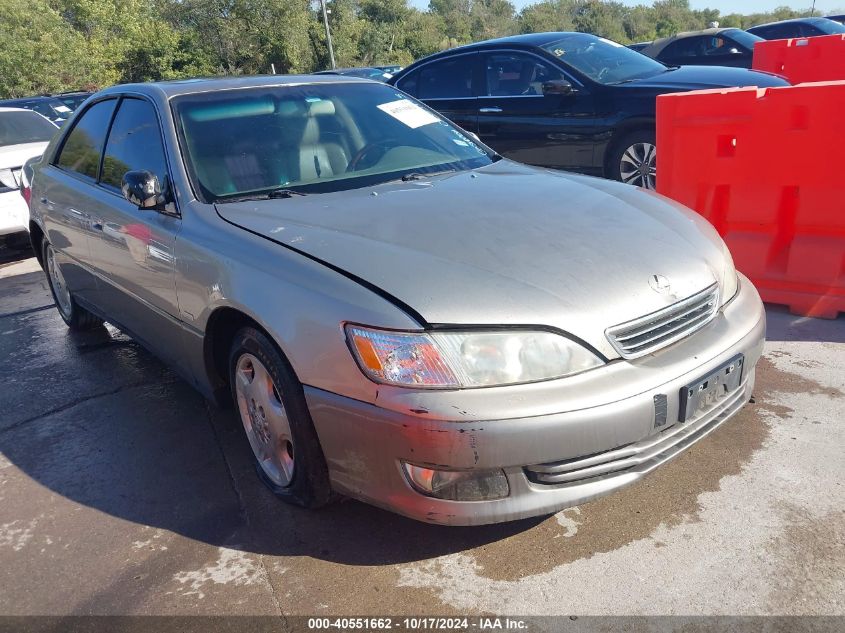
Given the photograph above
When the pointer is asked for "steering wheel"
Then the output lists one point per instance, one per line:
(367, 149)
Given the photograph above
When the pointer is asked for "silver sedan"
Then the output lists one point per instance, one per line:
(397, 313)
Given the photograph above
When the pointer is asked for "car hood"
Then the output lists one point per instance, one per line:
(704, 77)
(506, 244)
(17, 155)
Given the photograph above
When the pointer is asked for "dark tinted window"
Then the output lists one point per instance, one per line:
(514, 74)
(743, 38)
(134, 143)
(83, 146)
(448, 78)
(685, 47)
(408, 83)
(17, 128)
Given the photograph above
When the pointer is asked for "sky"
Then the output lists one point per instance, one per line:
(724, 6)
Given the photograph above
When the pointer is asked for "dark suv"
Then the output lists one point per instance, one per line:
(800, 27)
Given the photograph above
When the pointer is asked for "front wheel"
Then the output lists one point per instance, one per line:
(633, 159)
(272, 408)
(75, 316)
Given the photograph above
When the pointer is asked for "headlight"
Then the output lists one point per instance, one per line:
(465, 359)
(730, 281)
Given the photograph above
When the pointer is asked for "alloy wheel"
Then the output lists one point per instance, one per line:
(57, 281)
(639, 165)
(265, 420)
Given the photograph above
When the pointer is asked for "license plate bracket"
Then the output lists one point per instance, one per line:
(705, 392)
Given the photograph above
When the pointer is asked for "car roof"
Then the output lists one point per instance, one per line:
(29, 99)
(657, 46)
(7, 109)
(178, 87)
(527, 40)
(814, 20)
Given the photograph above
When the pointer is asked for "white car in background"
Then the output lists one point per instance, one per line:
(24, 134)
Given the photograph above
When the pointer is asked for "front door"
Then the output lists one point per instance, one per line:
(517, 120)
(132, 249)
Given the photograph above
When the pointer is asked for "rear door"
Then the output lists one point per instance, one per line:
(66, 194)
(517, 120)
(448, 85)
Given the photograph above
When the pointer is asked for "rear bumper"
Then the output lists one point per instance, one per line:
(14, 214)
(551, 461)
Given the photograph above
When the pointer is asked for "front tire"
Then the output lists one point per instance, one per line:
(75, 316)
(633, 159)
(271, 406)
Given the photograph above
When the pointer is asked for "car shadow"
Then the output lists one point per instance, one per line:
(783, 326)
(97, 419)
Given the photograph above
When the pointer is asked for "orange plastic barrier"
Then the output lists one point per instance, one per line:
(803, 59)
(767, 168)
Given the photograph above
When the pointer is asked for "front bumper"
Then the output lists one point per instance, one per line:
(14, 214)
(553, 460)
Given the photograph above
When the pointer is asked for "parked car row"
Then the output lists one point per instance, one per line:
(57, 108)
(397, 312)
(732, 46)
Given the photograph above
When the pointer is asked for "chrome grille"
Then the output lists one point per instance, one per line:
(654, 331)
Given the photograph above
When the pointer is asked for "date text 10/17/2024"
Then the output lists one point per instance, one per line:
(417, 624)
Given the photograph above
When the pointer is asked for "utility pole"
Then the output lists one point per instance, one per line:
(328, 33)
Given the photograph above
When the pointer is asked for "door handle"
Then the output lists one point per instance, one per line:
(487, 110)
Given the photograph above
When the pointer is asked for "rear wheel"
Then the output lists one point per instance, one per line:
(271, 405)
(633, 159)
(75, 316)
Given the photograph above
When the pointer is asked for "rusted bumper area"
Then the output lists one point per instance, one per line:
(551, 461)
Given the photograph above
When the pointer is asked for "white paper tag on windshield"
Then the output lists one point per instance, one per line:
(408, 113)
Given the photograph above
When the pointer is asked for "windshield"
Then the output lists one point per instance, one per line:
(602, 60)
(743, 38)
(314, 138)
(17, 128)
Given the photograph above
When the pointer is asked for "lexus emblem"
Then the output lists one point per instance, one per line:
(659, 283)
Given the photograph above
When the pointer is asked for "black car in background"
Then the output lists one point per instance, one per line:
(799, 27)
(73, 99)
(46, 106)
(710, 47)
(563, 100)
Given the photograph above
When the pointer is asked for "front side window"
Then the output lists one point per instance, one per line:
(516, 74)
(602, 60)
(745, 39)
(17, 128)
(446, 79)
(313, 139)
(82, 148)
(134, 143)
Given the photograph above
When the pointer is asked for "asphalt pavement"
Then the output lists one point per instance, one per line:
(123, 492)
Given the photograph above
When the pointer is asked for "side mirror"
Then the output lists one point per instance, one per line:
(559, 87)
(143, 189)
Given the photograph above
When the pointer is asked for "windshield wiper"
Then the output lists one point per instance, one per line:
(273, 194)
(419, 175)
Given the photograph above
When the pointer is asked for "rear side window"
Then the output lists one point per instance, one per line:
(19, 127)
(446, 79)
(134, 143)
(83, 146)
